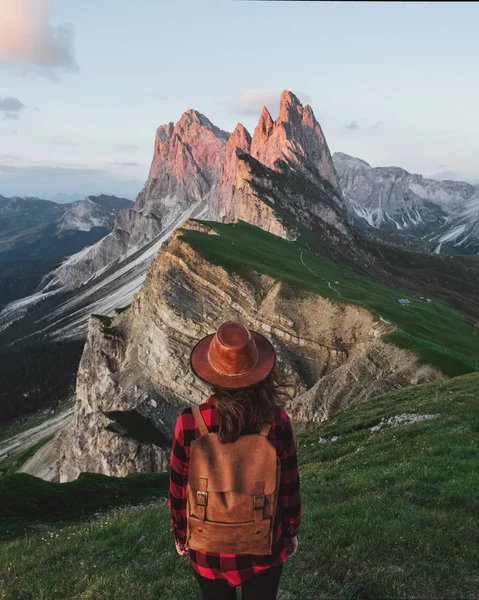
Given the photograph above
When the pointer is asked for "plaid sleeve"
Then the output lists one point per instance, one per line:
(289, 498)
(179, 460)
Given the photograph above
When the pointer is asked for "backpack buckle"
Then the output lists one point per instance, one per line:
(201, 498)
(259, 501)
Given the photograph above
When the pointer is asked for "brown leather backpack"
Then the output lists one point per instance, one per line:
(232, 492)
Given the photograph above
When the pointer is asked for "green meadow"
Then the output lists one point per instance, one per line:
(436, 332)
(390, 500)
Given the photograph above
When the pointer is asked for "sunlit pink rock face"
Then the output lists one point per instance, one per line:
(188, 158)
(233, 198)
(297, 138)
(292, 143)
(284, 171)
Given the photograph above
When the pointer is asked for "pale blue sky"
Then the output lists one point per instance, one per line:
(392, 83)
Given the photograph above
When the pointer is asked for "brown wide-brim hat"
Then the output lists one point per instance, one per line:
(233, 357)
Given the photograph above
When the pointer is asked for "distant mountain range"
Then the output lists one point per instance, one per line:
(42, 229)
(36, 234)
(398, 204)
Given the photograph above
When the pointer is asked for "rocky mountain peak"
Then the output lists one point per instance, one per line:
(187, 160)
(239, 139)
(164, 132)
(289, 107)
(443, 213)
(193, 119)
(295, 139)
(262, 133)
(340, 158)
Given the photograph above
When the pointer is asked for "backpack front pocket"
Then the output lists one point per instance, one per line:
(230, 538)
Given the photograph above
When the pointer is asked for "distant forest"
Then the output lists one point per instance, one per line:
(33, 378)
(20, 278)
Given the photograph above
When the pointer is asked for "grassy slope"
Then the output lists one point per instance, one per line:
(439, 334)
(386, 515)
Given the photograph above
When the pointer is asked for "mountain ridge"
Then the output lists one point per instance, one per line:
(390, 199)
(36, 235)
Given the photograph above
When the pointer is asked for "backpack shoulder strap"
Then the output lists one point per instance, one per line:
(200, 422)
(265, 429)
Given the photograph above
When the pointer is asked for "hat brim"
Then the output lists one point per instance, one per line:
(201, 367)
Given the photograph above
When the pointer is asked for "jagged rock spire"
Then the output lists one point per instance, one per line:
(296, 138)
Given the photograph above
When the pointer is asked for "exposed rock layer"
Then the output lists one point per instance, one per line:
(186, 163)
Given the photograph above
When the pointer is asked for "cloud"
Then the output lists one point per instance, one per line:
(64, 142)
(29, 43)
(127, 147)
(467, 176)
(352, 125)
(8, 157)
(251, 102)
(126, 164)
(49, 171)
(376, 125)
(10, 108)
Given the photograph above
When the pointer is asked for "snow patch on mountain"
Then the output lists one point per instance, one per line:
(453, 234)
(391, 199)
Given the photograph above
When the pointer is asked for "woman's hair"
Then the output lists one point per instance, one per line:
(245, 409)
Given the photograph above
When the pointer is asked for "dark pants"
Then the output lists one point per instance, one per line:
(261, 586)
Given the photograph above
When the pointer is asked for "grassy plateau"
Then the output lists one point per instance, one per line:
(390, 500)
(435, 331)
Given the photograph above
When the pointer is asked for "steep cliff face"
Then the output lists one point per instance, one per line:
(187, 160)
(186, 163)
(134, 375)
(295, 140)
(292, 148)
(443, 213)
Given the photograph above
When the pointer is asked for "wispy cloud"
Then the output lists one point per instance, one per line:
(376, 125)
(29, 43)
(251, 102)
(49, 170)
(64, 142)
(352, 125)
(471, 177)
(8, 158)
(126, 164)
(10, 108)
(126, 146)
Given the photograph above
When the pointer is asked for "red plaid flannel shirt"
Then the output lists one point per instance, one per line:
(235, 568)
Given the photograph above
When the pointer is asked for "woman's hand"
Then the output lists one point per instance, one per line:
(182, 549)
(291, 545)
